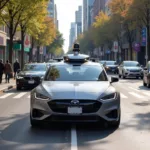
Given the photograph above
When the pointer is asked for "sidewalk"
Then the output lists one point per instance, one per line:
(4, 86)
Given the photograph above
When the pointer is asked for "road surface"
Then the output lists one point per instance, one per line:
(133, 134)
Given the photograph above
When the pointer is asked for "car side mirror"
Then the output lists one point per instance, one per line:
(114, 79)
(18, 70)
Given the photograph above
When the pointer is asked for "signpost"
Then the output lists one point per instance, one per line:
(145, 42)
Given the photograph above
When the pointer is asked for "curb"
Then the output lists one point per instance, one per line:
(6, 89)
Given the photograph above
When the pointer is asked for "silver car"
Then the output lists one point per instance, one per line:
(75, 91)
(130, 69)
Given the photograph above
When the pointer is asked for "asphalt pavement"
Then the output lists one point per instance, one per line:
(133, 134)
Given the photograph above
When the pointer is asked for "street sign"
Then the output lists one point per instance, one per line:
(27, 43)
(41, 50)
(116, 46)
(144, 36)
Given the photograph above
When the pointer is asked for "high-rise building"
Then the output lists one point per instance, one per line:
(98, 5)
(87, 15)
(72, 36)
(52, 11)
(55, 17)
(78, 20)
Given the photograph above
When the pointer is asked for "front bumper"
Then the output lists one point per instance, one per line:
(27, 83)
(107, 111)
(133, 74)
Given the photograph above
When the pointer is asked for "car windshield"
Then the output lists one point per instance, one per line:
(34, 67)
(76, 73)
(110, 63)
(131, 64)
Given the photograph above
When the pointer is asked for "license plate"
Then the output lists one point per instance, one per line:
(31, 82)
(74, 110)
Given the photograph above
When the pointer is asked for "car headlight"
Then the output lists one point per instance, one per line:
(19, 77)
(41, 96)
(109, 96)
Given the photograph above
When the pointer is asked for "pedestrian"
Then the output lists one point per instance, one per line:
(16, 67)
(8, 71)
(1, 70)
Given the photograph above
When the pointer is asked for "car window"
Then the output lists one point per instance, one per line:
(110, 63)
(76, 73)
(131, 64)
(35, 67)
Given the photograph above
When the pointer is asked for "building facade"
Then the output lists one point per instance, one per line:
(72, 36)
(78, 20)
(87, 14)
(98, 5)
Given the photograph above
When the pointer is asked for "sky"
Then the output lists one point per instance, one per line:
(66, 14)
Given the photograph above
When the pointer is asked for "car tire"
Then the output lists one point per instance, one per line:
(18, 88)
(34, 123)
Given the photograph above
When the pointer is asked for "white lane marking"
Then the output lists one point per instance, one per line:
(123, 96)
(136, 95)
(28, 96)
(6, 95)
(146, 93)
(134, 89)
(74, 145)
(20, 95)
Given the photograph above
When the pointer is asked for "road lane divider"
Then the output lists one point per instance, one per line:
(123, 96)
(74, 145)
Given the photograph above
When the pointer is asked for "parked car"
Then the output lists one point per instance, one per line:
(146, 75)
(130, 69)
(31, 75)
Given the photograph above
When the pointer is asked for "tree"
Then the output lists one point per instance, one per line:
(47, 35)
(139, 13)
(11, 16)
(55, 47)
(35, 13)
(3, 3)
(121, 8)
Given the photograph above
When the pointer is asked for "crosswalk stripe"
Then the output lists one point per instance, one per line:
(146, 93)
(136, 95)
(20, 95)
(123, 96)
(6, 95)
(134, 89)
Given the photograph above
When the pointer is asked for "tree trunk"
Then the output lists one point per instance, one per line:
(130, 49)
(22, 47)
(10, 44)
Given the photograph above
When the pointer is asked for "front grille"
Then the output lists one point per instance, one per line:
(61, 106)
(134, 70)
(32, 78)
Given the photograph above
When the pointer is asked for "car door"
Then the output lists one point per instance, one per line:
(146, 71)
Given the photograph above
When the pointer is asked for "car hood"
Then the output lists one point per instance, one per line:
(32, 73)
(74, 90)
(133, 68)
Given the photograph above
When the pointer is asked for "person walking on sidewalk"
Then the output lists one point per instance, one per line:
(8, 71)
(16, 66)
(1, 70)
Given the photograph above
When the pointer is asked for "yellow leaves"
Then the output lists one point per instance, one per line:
(101, 19)
(120, 7)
